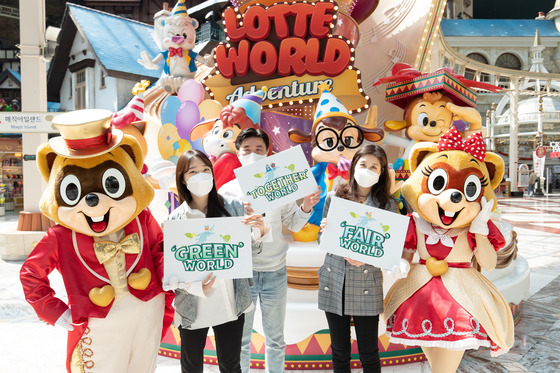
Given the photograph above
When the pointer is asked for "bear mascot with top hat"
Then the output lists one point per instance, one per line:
(106, 245)
(444, 304)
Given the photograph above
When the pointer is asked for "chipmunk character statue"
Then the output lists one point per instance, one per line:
(432, 104)
(175, 35)
(335, 137)
(445, 305)
(106, 245)
(219, 134)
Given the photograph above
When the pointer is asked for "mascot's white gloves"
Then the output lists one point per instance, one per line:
(65, 320)
(480, 223)
(400, 270)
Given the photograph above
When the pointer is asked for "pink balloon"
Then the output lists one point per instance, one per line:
(191, 90)
(188, 116)
(363, 9)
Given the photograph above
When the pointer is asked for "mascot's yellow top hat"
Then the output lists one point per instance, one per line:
(85, 133)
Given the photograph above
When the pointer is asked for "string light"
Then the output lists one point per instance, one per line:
(307, 109)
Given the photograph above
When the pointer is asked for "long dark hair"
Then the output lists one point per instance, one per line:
(215, 202)
(381, 190)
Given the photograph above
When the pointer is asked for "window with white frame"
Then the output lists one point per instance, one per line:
(102, 80)
(80, 100)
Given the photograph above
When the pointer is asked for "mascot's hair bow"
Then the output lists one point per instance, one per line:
(474, 144)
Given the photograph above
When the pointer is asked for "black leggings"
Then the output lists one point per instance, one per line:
(366, 332)
(228, 347)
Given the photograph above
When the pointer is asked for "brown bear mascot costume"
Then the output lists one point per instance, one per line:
(445, 305)
(107, 246)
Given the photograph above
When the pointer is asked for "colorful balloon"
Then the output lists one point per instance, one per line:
(191, 90)
(169, 109)
(209, 109)
(187, 117)
(169, 141)
(363, 9)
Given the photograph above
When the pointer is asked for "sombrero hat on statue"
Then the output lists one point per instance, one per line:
(85, 133)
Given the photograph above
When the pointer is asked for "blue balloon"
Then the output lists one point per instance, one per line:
(197, 144)
(169, 110)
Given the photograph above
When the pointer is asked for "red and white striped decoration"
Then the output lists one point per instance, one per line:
(132, 112)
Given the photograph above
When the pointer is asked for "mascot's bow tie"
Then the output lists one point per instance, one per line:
(105, 250)
(474, 144)
(176, 51)
(434, 237)
(333, 171)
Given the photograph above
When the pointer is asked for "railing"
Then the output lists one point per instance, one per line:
(8, 11)
(498, 76)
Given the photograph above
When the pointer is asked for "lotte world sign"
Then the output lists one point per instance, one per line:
(25, 122)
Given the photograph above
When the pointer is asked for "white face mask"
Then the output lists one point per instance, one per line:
(365, 178)
(200, 184)
(250, 158)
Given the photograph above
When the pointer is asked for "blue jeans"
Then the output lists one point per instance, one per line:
(271, 288)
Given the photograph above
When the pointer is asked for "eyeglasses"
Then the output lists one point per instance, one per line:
(328, 139)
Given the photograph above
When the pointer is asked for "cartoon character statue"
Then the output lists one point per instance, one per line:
(219, 135)
(175, 35)
(106, 245)
(335, 137)
(432, 103)
(445, 305)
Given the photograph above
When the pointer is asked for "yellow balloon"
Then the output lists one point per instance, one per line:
(168, 140)
(184, 145)
(209, 109)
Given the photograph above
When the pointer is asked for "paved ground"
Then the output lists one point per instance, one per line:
(28, 345)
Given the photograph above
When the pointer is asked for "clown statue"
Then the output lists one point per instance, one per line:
(335, 138)
(444, 304)
(106, 245)
(219, 134)
(175, 35)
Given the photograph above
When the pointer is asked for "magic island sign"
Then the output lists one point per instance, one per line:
(291, 49)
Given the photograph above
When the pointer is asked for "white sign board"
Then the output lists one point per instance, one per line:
(23, 122)
(364, 233)
(538, 164)
(276, 180)
(194, 248)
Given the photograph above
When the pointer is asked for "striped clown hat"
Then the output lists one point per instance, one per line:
(180, 9)
(132, 112)
(329, 106)
(252, 105)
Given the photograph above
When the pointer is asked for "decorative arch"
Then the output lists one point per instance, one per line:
(478, 57)
(509, 61)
